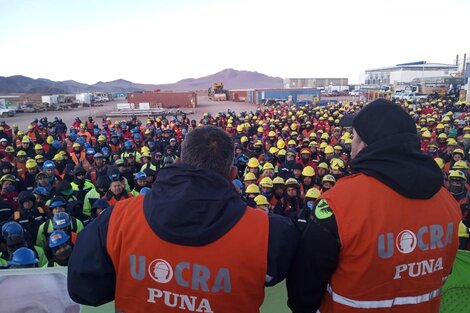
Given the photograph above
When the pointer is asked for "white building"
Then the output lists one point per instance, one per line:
(407, 72)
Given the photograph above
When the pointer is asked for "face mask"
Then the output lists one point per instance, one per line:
(9, 188)
(267, 194)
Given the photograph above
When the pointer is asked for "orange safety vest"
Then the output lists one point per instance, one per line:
(153, 275)
(396, 253)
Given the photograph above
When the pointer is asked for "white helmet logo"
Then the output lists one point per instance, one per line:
(406, 241)
(160, 271)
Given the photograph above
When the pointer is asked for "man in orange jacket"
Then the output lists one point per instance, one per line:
(190, 244)
(384, 238)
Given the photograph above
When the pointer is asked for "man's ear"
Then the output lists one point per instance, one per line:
(233, 173)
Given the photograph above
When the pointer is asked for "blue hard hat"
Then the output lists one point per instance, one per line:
(137, 136)
(57, 201)
(159, 131)
(73, 136)
(96, 131)
(41, 191)
(238, 183)
(144, 190)
(23, 256)
(105, 151)
(90, 151)
(81, 141)
(119, 133)
(52, 131)
(56, 144)
(12, 228)
(242, 159)
(150, 144)
(140, 175)
(58, 238)
(61, 220)
(128, 144)
(101, 204)
(86, 145)
(103, 132)
(48, 165)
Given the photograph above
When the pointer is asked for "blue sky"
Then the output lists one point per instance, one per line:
(165, 41)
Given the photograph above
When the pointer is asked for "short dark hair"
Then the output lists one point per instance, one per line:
(208, 147)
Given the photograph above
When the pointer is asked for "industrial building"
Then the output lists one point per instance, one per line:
(407, 73)
(338, 84)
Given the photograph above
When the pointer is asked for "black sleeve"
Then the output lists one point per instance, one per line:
(314, 263)
(283, 241)
(91, 277)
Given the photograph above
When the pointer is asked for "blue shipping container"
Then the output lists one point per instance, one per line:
(285, 94)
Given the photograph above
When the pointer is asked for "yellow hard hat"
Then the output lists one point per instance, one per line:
(460, 165)
(50, 140)
(244, 139)
(266, 182)
(268, 166)
(20, 133)
(273, 150)
(440, 162)
(280, 144)
(338, 147)
(348, 141)
(145, 149)
(260, 129)
(278, 181)
(323, 145)
(328, 178)
(337, 164)
(458, 151)
(451, 142)
(312, 193)
(26, 139)
(76, 145)
(457, 175)
(426, 134)
(308, 171)
(239, 128)
(31, 164)
(463, 230)
(329, 149)
(271, 134)
(39, 156)
(101, 138)
(324, 136)
(252, 189)
(249, 177)
(293, 126)
(292, 182)
(58, 157)
(291, 142)
(253, 162)
(282, 152)
(258, 143)
(21, 153)
(37, 147)
(82, 125)
(466, 136)
(146, 154)
(261, 200)
(440, 126)
(442, 136)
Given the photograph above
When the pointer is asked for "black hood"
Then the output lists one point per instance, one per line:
(398, 162)
(192, 206)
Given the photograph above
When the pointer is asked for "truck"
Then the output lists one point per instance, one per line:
(217, 92)
(5, 111)
(84, 99)
(409, 96)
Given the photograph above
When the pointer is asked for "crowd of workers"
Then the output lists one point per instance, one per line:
(56, 179)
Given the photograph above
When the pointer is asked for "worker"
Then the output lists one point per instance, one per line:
(192, 221)
(23, 258)
(61, 248)
(384, 238)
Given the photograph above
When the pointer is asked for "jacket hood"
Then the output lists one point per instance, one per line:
(192, 206)
(398, 162)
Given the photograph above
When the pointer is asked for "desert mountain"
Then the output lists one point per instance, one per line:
(232, 79)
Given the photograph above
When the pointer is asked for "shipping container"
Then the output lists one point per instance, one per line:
(238, 95)
(165, 99)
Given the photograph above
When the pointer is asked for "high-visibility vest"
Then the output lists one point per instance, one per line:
(154, 275)
(395, 252)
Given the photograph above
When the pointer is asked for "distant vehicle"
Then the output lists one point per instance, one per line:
(30, 108)
(355, 93)
(4, 110)
(408, 96)
(217, 92)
